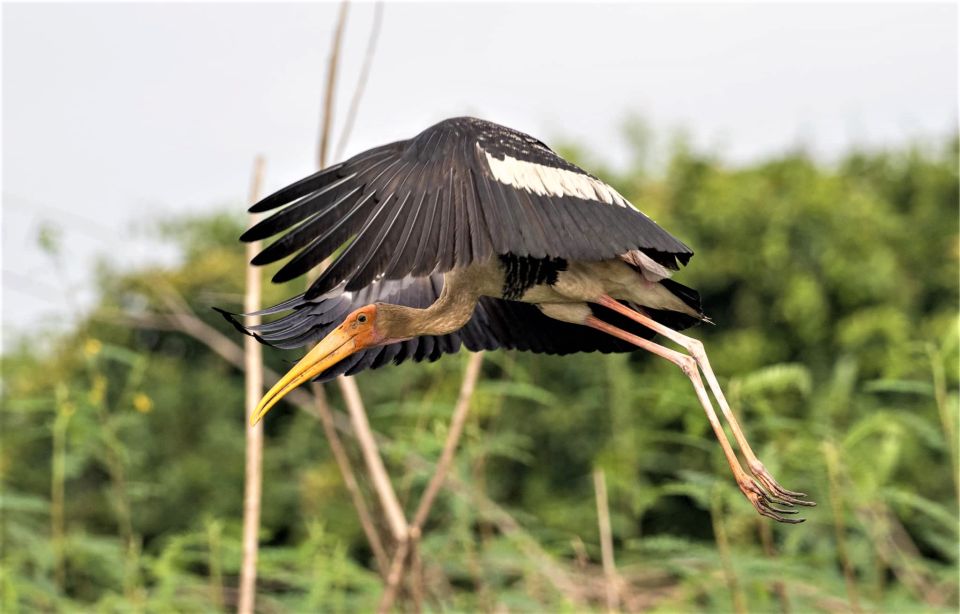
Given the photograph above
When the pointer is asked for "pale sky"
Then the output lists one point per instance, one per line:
(117, 114)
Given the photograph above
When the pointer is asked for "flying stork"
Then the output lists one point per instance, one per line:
(474, 234)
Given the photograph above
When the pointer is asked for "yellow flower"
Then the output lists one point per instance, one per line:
(142, 403)
(99, 390)
(92, 347)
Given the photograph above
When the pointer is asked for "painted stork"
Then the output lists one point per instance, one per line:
(474, 234)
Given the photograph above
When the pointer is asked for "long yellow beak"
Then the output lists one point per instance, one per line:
(332, 349)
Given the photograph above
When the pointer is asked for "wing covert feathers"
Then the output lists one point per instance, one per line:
(461, 191)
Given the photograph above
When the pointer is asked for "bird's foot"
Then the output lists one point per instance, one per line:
(787, 497)
(764, 503)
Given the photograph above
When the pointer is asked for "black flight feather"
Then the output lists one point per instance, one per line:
(475, 215)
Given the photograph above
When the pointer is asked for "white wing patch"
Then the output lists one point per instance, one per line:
(550, 181)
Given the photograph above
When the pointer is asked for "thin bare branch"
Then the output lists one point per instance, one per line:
(836, 506)
(606, 540)
(397, 567)
(361, 81)
(896, 549)
(351, 394)
(766, 538)
(58, 473)
(253, 377)
(416, 579)
(326, 119)
(726, 558)
(326, 418)
(509, 526)
(371, 456)
(459, 420)
(947, 421)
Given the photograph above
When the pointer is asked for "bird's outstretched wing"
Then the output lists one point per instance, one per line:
(496, 323)
(461, 191)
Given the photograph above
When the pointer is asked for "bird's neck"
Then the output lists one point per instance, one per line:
(449, 313)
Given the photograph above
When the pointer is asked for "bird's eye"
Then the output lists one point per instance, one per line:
(362, 318)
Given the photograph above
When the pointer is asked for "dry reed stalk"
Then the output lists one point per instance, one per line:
(326, 418)
(113, 459)
(361, 81)
(606, 541)
(580, 556)
(836, 507)
(896, 549)
(350, 392)
(459, 420)
(326, 119)
(723, 548)
(372, 458)
(472, 562)
(58, 472)
(947, 421)
(823, 601)
(348, 388)
(214, 554)
(416, 579)
(766, 538)
(253, 380)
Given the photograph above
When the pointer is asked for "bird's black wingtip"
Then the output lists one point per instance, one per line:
(250, 235)
(262, 340)
(281, 276)
(231, 317)
(265, 204)
(261, 259)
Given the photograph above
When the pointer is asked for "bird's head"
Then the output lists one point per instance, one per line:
(360, 330)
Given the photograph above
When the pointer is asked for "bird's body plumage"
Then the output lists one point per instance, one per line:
(473, 234)
(507, 314)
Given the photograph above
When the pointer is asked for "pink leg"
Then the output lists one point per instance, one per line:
(760, 500)
(695, 348)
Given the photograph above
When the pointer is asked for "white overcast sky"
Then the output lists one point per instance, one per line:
(114, 113)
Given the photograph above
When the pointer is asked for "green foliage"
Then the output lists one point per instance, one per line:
(835, 293)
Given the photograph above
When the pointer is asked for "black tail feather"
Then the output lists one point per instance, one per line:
(689, 296)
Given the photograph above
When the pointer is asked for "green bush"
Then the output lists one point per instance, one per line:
(835, 292)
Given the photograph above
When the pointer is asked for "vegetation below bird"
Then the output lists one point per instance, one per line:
(122, 441)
